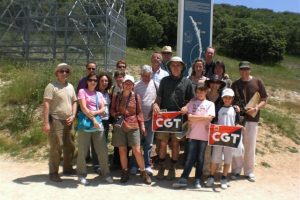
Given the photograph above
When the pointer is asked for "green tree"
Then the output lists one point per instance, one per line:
(146, 32)
(259, 43)
(165, 14)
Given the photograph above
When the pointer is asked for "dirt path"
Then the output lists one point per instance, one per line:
(28, 180)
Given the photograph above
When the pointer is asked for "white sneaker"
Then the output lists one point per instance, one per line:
(109, 179)
(210, 181)
(83, 181)
(251, 177)
(197, 184)
(182, 182)
(224, 183)
(133, 170)
(149, 171)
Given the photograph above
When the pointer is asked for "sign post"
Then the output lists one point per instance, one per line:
(194, 33)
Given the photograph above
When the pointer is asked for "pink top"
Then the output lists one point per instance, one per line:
(90, 98)
(200, 129)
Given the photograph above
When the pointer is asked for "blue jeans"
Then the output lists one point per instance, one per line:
(196, 154)
(147, 142)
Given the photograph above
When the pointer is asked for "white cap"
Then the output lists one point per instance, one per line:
(128, 78)
(227, 92)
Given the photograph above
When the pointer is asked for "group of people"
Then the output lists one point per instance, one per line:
(206, 96)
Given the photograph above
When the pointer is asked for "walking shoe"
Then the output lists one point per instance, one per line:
(251, 177)
(235, 176)
(171, 174)
(146, 178)
(97, 169)
(197, 183)
(182, 182)
(210, 181)
(55, 177)
(83, 181)
(224, 183)
(125, 176)
(133, 170)
(70, 172)
(109, 179)
(149, 171)
(161, 172)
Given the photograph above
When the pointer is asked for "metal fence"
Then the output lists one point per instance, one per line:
(74, 32)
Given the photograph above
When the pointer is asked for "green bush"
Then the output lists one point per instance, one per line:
(258, 43)
(34, 137)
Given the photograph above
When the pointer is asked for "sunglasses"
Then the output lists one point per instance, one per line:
(64, 71)
(91, 69)
(121, 66)
(93, 80)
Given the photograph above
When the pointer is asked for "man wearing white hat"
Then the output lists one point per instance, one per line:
(174, 92)
(59, 114)
(166, 53)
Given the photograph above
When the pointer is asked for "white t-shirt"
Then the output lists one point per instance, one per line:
(226, 116)
(200, 129)
(148, 95)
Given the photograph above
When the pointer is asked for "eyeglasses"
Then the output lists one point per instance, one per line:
(121, 66)
(91, 69)
(64, 71)
(93, 80)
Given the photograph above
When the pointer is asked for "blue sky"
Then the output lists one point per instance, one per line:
(275, 5)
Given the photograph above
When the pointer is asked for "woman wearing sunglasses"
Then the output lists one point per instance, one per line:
(92, 105)
(127, 106)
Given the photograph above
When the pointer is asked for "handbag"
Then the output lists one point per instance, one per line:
(127, 123)
(86, 124)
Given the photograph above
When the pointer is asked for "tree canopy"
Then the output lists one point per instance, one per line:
(256, 34)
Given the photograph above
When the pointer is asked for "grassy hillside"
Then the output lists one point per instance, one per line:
(22, 85)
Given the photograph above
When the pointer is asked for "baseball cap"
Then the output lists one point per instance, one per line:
(128, 78)
(244, 65)
(227, 92)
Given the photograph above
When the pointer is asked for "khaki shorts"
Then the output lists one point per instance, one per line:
(166, 136)
(120, 138)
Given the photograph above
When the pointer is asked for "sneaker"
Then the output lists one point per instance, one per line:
(109, 179)
(70, 172)
(149, 171)
(251, 177)
(197, 183)
(133, 170)
(161, 172)
(146, 178)
(83, 181)
(182, 182)
(210, 181)
(97, 169)
(171, 174)
(55, 177)
(235, 176)
(125, 176)
(224, 183)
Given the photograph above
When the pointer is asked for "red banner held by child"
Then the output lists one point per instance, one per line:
(220, 135)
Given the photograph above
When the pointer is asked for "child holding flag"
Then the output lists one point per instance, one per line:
(229, 117)
(200, 113)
